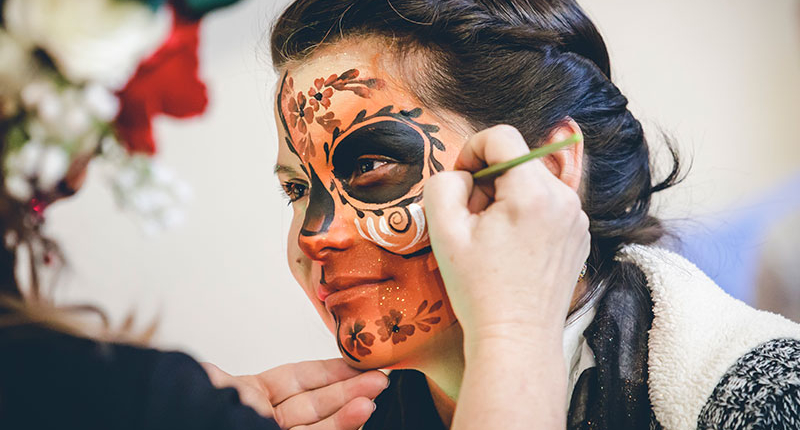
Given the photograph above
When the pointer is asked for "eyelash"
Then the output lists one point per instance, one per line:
(291, 192)
(377, 161)
(294, 191)
(361, 162)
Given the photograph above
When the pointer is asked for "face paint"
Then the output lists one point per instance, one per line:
(365, 151)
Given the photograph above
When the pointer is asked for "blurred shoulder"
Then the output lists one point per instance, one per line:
(762, 390)
(699, 334)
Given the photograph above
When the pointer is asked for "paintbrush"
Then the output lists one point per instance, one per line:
(495, 170)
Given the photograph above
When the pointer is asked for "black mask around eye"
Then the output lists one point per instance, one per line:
(393, 139)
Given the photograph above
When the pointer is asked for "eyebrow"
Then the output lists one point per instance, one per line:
(280, 168)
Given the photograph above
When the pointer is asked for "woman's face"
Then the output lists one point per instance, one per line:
(354, 152)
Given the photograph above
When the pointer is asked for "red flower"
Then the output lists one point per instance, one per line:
(300, 114)
(389, 326)
(320, 96)
(328, 122)
(426, 322)
(165, 83)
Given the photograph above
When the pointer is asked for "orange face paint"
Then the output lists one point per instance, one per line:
(361, 152)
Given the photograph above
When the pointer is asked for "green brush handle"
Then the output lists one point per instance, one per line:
(498, 169)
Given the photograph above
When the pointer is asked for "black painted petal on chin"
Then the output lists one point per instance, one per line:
(339, 340)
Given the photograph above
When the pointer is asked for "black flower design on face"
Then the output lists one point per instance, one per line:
(389, 327)
(358, 341)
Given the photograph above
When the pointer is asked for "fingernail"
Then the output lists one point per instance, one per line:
(388, 381)
(374, 406)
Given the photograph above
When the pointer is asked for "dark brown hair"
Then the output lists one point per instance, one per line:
(528, 63)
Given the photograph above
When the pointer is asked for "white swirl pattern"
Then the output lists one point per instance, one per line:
(386, 230)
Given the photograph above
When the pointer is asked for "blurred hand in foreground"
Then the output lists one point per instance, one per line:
(313, 395)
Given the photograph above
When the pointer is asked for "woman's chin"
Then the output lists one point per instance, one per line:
(381, 333)
(379, 358)
(366, 363)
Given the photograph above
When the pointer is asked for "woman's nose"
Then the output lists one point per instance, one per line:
(322, 230)
(320, 246)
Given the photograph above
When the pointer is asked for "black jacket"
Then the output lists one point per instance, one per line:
(50, 380)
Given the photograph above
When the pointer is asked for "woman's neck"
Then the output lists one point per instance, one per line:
(442, 362)
(443, 366)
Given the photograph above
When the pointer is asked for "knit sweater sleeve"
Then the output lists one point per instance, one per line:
(760, 391)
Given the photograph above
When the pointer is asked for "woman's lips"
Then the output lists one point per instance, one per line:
(333, 286)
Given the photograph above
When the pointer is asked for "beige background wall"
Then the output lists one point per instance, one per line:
(722, 76)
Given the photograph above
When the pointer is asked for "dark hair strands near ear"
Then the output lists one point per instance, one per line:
(532, 64)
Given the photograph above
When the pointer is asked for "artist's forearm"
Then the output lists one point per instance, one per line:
(513, 384)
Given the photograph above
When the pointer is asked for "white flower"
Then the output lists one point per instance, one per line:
(172, 217)
(35, 165)
(50, 108)
(19, 187)
(36, 130)
(146, 188)
(68, 115)
(99, 41)
(14, 66)
(143, 202)
(183, 192)
(162, 175)
(100, 102)
(52, 168)
(126, 180)
(36, 91)
(26, 161)
(77, 121)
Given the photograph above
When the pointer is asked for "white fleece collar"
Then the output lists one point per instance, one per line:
(698, 332)
(577, 354)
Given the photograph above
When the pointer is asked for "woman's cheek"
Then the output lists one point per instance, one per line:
(300, 266)
(299, 263)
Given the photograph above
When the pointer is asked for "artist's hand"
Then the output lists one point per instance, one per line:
(314, 395)
(510, 252)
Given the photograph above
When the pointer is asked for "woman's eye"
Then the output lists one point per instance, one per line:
(365, 165)
(370, 171)
(294, 190)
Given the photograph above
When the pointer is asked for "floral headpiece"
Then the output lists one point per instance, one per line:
(84, 78)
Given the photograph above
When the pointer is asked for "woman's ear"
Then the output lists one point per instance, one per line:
(567, 163)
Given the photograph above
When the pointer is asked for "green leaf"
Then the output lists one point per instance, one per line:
(15, 138)
(153, 4)
(201, 7)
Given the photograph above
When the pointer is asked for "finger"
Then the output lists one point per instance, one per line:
(495, 145)
(446, 197)
(251, 396)
(528, 182)
(586, 242)
(491, 146)
(482, 195)
(313, 406)
(290, 379)
(350, 417)
(218, 377)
